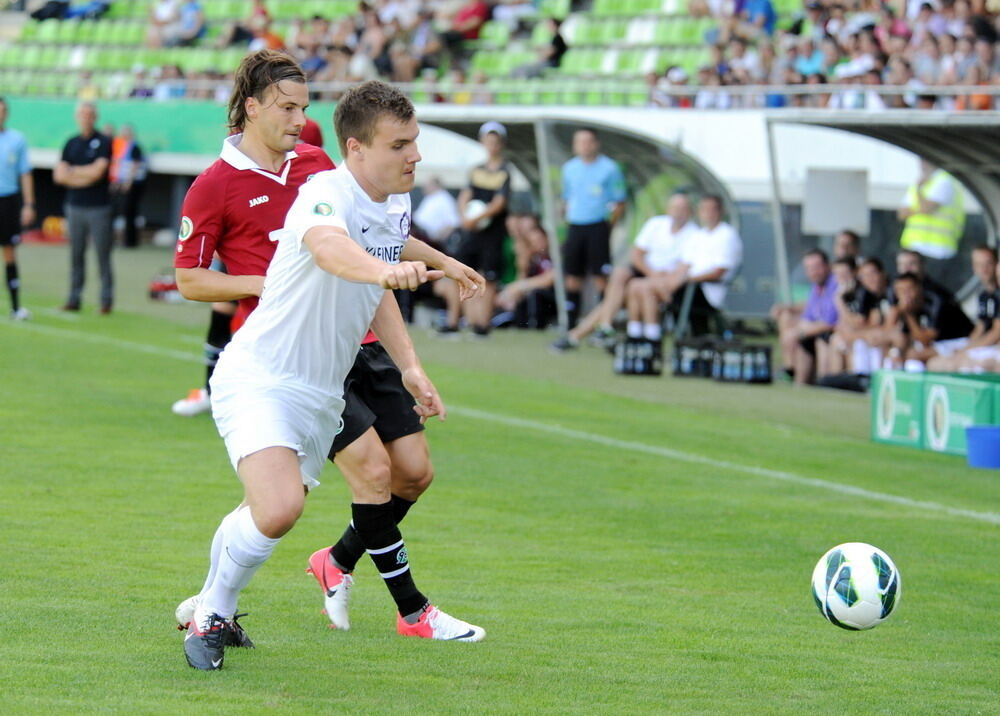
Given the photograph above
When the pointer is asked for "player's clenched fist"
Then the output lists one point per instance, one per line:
(408, 275)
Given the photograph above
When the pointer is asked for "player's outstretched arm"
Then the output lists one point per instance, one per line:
(388, 325)
(470, 283)
(337, 253)
(199, 284)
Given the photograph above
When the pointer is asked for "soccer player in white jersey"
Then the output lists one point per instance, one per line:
(277, 391)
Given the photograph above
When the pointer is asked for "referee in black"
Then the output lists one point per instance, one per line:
(83, 170)
(17, 205)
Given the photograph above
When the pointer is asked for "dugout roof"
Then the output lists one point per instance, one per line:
(967, 144)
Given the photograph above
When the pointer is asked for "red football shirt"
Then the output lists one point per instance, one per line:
(234, 205)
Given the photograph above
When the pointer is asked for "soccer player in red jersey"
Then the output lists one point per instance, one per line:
(230, 211)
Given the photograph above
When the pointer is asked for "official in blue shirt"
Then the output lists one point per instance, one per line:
(593, 192)
(17, 204)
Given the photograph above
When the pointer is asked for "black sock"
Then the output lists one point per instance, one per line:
(573, 299)
(400, 506)
(376, 526)
(349, 549)
(219, 336)
(13, 286)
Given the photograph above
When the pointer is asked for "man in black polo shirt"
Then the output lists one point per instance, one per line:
(485, 229)
(986, 333)
(918, 321)
(83, 170)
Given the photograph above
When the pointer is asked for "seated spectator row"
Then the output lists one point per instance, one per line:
(857, 320)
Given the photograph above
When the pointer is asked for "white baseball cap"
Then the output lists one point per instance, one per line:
(492, 126)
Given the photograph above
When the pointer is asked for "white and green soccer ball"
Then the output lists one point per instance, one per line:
(856, 586)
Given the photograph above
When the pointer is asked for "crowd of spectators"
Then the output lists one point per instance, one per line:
(851, 49)
(857, 319)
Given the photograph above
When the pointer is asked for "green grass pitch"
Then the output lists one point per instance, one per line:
(630, 545)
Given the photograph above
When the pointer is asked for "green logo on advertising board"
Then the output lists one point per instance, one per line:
(885, 411)
(937, 417)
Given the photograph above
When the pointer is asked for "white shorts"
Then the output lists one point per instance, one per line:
(984, 353)
(950, 347)
(254, 410)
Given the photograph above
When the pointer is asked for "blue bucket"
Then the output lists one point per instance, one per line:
(983, 443)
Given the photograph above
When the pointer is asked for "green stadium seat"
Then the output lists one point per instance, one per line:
(85, 33)
(572, 93)
(49, 57)
(422, 91)
(637, 96)
(214, 10)
(669, 32)
(289, 10)
(31, 57)
(531, 91)
(558, 9)
(610, 32)
(51, 84)
(67, 31)
(117, 35)
(29, 31)
(549, 91)
(103, 32)
(48, 31)
(232, 58)
(605, 7)
(117, 11)
(629, 62)
(540, 35)
(9, 57)
(122, 58)
(494, 34)
(136, 34)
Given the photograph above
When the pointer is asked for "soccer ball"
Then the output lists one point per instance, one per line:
(856, 586)
(474, 208)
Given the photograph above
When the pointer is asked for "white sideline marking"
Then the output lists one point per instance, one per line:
(103, 340)
(988, 517)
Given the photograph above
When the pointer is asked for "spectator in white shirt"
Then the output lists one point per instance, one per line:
(437, 214)
(709, 259)
(656, 253)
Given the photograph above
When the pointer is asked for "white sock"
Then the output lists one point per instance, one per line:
(652, 331)
(213, 556)
(861, 358)
(634, 329)
(244, 550)
(875, 357)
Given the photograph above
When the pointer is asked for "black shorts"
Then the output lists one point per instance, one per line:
(809, 342)
(374, 396)
(10, 220)
(483, 251)
(587, 251)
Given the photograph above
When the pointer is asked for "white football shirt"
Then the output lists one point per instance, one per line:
(309, 323)
(662, 246)
(709, 250)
